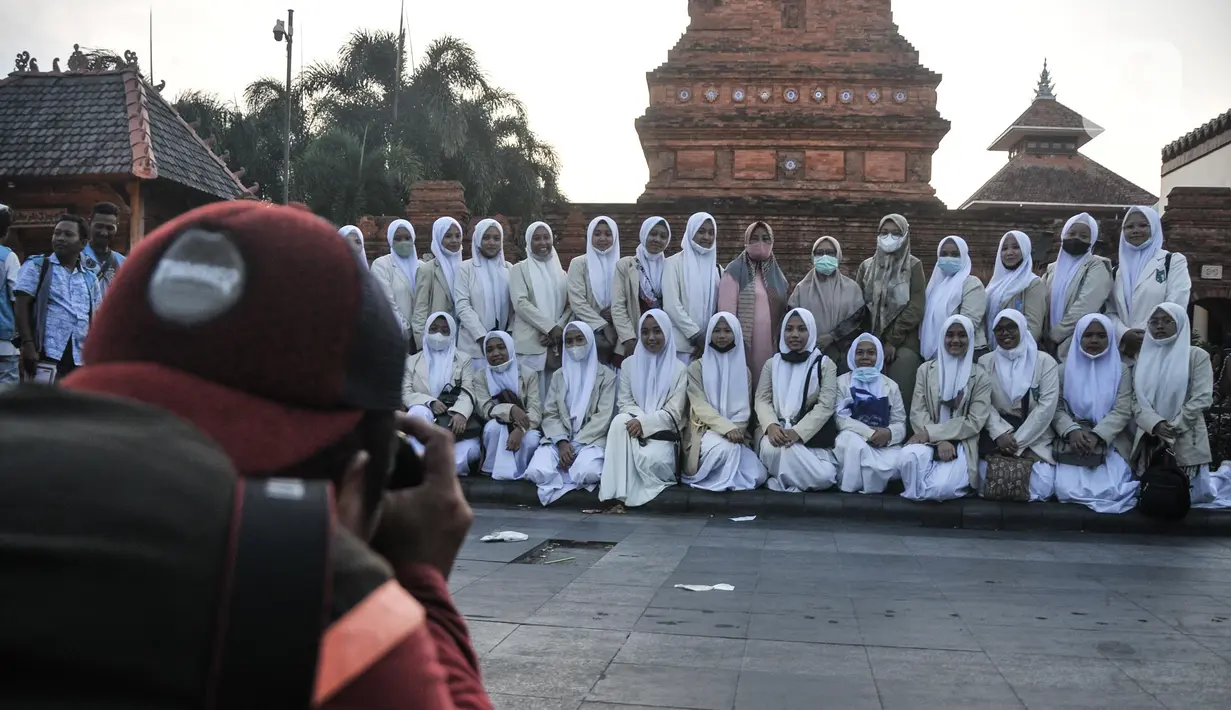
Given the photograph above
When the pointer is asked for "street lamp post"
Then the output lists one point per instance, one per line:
(286, 31)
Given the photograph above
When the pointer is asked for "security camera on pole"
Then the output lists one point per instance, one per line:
(286, 30)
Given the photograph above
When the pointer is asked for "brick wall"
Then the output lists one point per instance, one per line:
(1198, 223)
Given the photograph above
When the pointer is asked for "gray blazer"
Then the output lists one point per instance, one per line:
(558, 426)
(1192, 447)
(1036, 432)
(965, 424)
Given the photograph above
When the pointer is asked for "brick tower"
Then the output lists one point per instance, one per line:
(792, 99)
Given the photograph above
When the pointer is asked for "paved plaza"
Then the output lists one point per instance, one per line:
(846, 615)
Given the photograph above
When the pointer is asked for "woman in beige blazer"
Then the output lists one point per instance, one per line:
(639, 282)
(949, 409)
(539, 289)
(1022, 378)
(396, 273)
(787, 418)
(1014, 285)
(1093, 421)
(434, 284)
(690, 285)
(507, 398)
(1147, 275)
(578, 410)
(483, 301)
(952, 291)
(591, 280)
(1078, 283)
(439, 371)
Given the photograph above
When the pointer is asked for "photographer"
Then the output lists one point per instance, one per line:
(257, 324)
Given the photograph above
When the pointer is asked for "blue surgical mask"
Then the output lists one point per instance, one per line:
(865, 374)
(949, 265)
(825, 264)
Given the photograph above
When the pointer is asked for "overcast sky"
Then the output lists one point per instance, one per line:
(1147, 71)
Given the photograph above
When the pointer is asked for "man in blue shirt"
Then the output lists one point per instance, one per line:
(56, 298)
(98, 255)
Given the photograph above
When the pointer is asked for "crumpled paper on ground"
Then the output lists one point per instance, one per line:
(706, 587)
(505, 536)
(744, 519)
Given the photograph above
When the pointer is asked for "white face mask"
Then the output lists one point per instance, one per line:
(579, 352)
(438, 341)
(502, 367)
(889, 243)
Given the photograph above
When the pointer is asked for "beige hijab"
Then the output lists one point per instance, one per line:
(831, 300)
(887, 288)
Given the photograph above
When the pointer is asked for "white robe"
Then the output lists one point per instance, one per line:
(1109, 488)
(1212, 489)
(862, 468)
(465, 453)
(726, 466)
(544, 471)
(498, 461)
(636, 471)
(926, 479)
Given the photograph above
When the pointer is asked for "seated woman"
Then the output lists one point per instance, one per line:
(1096, 405)
(1174, 384)
(833, 298)
(871, 420)
(952, 291)
(575, 419)
(439, 381)
(720, 457)
(795, 403)
(1025, 392)
(949, 409)
(507, 396)
(652, 399)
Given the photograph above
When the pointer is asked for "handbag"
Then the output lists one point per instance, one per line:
(1064, 453)
(1165, 491)
(1008, 478)
(828, 435)
(449, 396)
(987, 445)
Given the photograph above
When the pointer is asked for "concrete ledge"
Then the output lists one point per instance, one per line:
(968, 513)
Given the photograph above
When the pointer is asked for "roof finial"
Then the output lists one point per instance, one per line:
(1045, 89)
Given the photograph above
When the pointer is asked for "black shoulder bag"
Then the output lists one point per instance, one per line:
(828, 435)
(449, 396)
(1165, 492)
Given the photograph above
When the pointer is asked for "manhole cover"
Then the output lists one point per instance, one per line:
(565, 553)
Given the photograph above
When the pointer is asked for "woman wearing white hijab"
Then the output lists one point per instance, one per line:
(871, 420)
(576, 414)
(1174, 384)
(786, 419)
(639, 282)
(354, 237)
(396, 272)
(1078, 283)
(1147, 275)
(952, 291)
(690, 285)
(483, 302)
(641, 457)
(1025, 392)
(507, 397)
(949, 409)
(1015, 286)
(434, 283)
(1091, 424)
(439, 372)
(538, 287)
(591, 280)
(720, 455)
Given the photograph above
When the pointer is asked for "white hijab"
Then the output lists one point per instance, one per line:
(876, 387)
(1134, 260)
(789, 378)
(600, 265)
(944, 296)
(1005, 284)
(652, 264)
(1092, 382)
(448, 261)
(359, 252)
(1015, 368)
(409, 265)
(700, 272)
(493, 275)
(439, 362)
(507, 377)
(725, 375)
(1161, 377)
(579, 376)
(1067, 266)
(652, 375)
(955, 371)
(547, 277)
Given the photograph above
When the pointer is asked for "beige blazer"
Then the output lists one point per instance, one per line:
(897, 411)
(471, 312)
(670, 417)
(585, 308)
(431, 296)
(397, 288)
(626, 300)
(974, 307)
(674, 299)
(558, 426)
(528, 390)
(821, 401)
(529, 322)
(1032, 302)
(965, 424)
(1036, 432)
(1087, 294)
(703, 417)
(1155, 286)
(1192, 447)
(1116, 429)
(415, 385)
